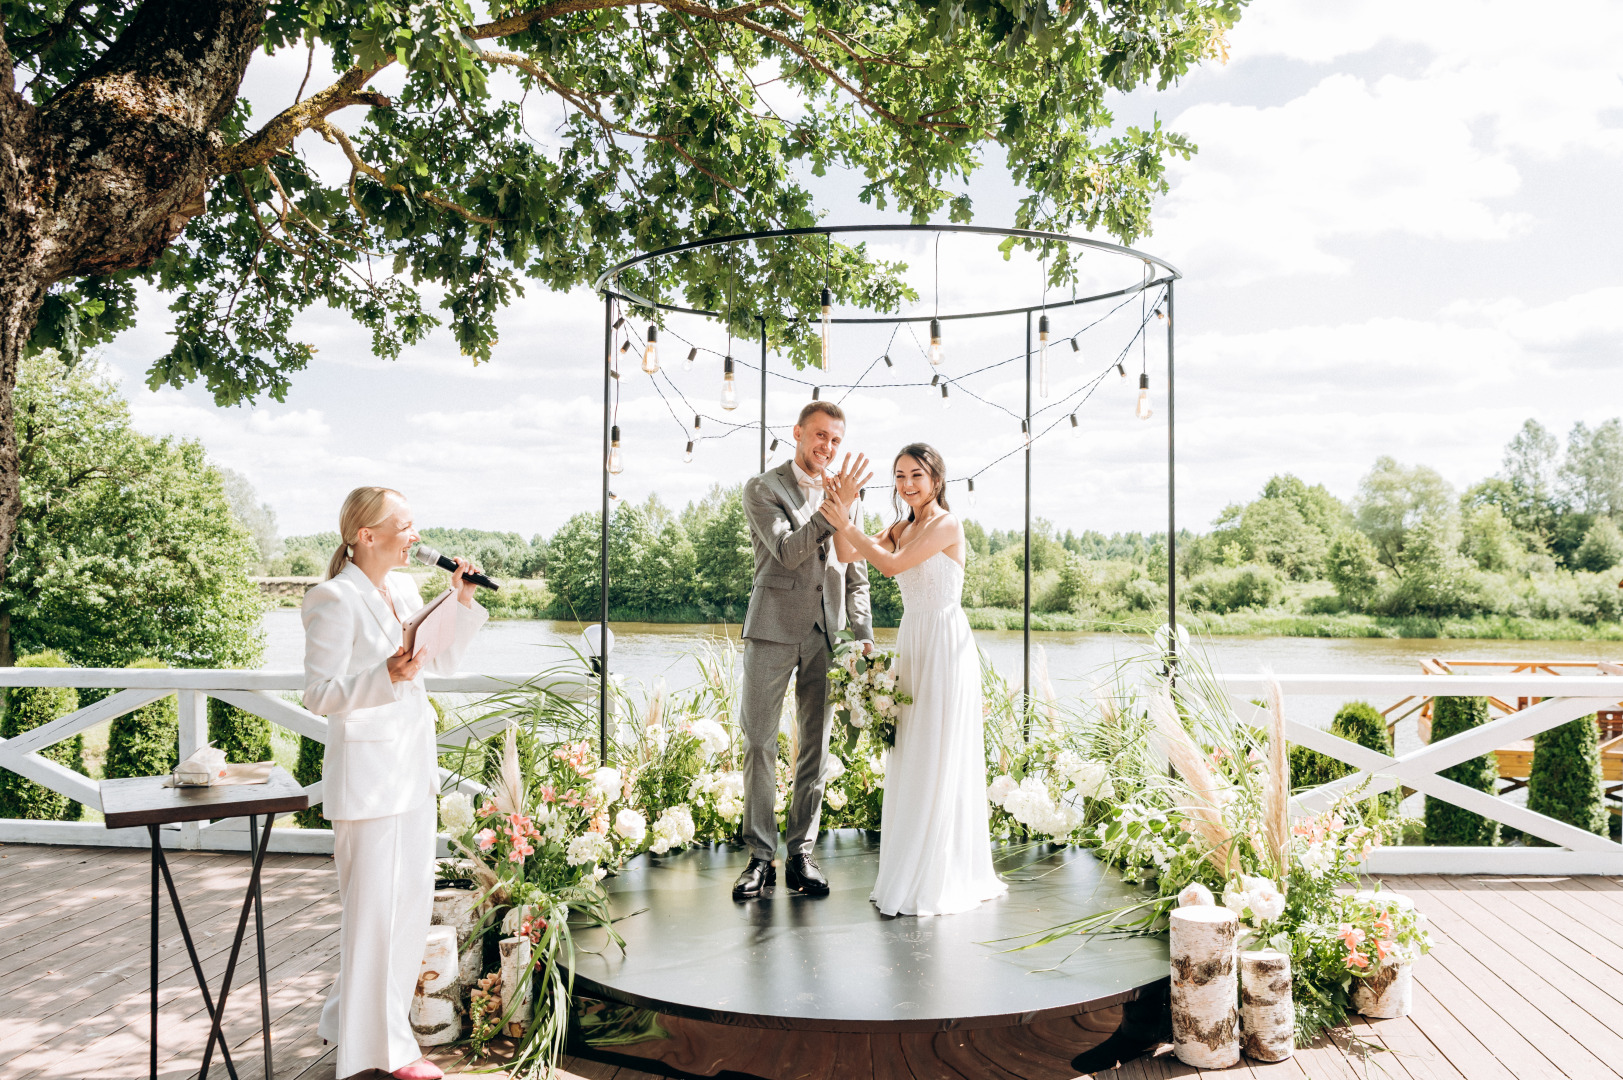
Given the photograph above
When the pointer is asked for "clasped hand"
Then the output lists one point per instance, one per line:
(841, 492)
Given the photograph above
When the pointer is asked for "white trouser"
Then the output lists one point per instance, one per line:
(386, 887)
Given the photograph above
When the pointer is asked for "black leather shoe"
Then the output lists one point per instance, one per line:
(800, 872)
(758, 875)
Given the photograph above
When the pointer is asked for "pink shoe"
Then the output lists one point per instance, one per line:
(421, 1069)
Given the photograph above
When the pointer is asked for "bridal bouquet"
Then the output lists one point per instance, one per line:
(866, 691)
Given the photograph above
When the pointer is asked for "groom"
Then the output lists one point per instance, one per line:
(802, 597)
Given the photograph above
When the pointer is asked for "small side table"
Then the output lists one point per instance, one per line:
(143, 800)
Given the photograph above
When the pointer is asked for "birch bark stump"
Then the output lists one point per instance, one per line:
(1387, 994)
(1267, 1013)
(1205, 992)
(436, 1012)
(455, 909)
(516, 991)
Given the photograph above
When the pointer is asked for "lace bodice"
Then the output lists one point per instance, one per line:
(936, 584)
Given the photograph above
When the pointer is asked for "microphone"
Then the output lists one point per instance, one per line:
(429, 557)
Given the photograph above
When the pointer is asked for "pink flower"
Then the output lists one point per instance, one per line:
(486, 839)
(519, 823)
(1358, 960)
(488, 810)
(548, 794)
(521, 847)
(1383, 948)
(1383, 926)
(599, 825)
(1351, 936)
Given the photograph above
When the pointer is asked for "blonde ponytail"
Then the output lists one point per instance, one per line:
(364, 508)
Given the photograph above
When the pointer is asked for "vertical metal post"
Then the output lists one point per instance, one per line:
(152, 831)
(1025, 677)
(1172, 503)
(603, 552)
(763, 394)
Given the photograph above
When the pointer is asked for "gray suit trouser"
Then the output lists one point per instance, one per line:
(767, 666)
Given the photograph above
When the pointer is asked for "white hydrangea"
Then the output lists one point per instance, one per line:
(1088, 777)
(884, 681)
(631, 825)
(1259, 895)
(878, 765)
(713, 738)
(673, 829)
(606, 782)
(1030, 804)
(1001, 788)
(729, 792)
(1318, 860)
(456, 811)
(588, 847)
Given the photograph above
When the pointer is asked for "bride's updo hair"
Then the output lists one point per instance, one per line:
(934, 464)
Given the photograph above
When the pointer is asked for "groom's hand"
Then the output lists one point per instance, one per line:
(867, 648)
(852, 476)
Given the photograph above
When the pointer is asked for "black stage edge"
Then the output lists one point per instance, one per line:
(790, 987)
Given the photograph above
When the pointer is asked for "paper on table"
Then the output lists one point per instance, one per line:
(431, 628)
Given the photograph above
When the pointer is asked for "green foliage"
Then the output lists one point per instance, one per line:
(1591, 476)
(1394, 498)
(28, 707)
(1436, 579)
(1490, 539)
(1602, 548)
(1223, 589)
(1356, 721)
(1273, 531)
(242, 736)
(126, 545)
(145, 742)
(307, 771)
(1447, 824)
(663, 136)
(726, 560)
(1565, 781)
(1353, 568)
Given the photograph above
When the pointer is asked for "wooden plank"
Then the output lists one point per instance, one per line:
(1547, 988)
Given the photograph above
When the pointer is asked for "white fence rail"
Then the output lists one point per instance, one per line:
(1566, 697)
(257, 692)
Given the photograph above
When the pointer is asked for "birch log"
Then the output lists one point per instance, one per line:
(1205, 1016)
(1387, 994)
(1267, 1014)
(516, 984)
(436, 1008)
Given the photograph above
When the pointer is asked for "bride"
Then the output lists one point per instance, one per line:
(935, 854)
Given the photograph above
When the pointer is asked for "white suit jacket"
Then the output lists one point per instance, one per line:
(381, 755)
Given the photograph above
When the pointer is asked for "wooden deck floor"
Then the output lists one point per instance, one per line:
(1526, 980)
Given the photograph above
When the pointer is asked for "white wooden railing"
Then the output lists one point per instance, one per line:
(257, 692)
(1566, 697)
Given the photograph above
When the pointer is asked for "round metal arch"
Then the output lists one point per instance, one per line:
(608, 286)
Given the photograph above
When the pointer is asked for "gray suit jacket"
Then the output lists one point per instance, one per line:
(798, 584)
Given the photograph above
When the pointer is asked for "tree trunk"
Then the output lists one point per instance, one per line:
(1205, 992)
(1267, 1012)
(104, 175)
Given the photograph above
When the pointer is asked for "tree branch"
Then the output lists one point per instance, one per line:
(334, 134)
(287, 125)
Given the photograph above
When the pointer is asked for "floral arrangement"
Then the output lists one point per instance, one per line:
(866, 691)
(1379, 930)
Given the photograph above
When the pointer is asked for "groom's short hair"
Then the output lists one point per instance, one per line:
(827, 408)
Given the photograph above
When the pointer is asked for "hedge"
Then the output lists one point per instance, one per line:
(307, 771)
(27, 707)
(1356, 721)
(145, 742)
(1565, 781)
(244, 737)
(1447, 824)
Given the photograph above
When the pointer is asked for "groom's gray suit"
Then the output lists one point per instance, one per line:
(802, 597)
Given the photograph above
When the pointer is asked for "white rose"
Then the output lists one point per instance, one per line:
(834, 769)
(713, 738)
(1090, 777)
(456, 811)
(631, 825)
(1001, 789)
(1267, 902)
(673, 829)
(607, 782)
(851, 661)
(729, 794)
(885, 681)
(884, 703)
(836, 799)
(878, 764)
(1195, 894)
(859, 717)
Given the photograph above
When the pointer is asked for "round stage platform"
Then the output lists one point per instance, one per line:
(791, 986)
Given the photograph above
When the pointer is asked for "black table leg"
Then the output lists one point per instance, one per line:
(236, 949)
(259, 929)
(191, 951)
(152, 831)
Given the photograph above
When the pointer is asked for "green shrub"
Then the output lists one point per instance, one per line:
(307, 772)
(145, 742)
(243, 736)
(1602, 548)
(1356, 721)
(27, 707)
(1228, 589)
(1565, 782)
(1446, 823)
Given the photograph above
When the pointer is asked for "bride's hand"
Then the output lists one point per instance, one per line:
(852, 476)
(834, 513)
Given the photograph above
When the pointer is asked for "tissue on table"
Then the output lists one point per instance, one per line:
(204, 768)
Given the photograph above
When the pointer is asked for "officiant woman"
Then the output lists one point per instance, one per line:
(379, 776)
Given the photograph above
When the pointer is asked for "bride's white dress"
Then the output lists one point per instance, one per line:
(935, 853)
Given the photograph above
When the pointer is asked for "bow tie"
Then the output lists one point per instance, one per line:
(809, 482)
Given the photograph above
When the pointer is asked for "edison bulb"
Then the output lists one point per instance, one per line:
(1143, 409)
(972, 493)
(935, 341)
(615, 464)
(693, 355)
(946, 402)
(687, 455)
(1076, 428)
(650, 352)
(729, 389)
(1042, 356)
(828, 301)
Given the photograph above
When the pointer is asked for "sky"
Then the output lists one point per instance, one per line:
(1400, 236)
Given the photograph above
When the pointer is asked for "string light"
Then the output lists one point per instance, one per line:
(1042, 356)
(828, 301)
(650, 352)
(729, 390)
(693, 355)
(1076, 346)
(773, 449)
(1143, 409)
(946, 402)
(621, 321)
(698, 422)
(886, 358)
(1121, 369)
(615, 464)
(1025, 432)
(688, 454)
(1076, 428)
(935, 380)
(817, 393)
(935, 341)
(626, 347)
(972, 491)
